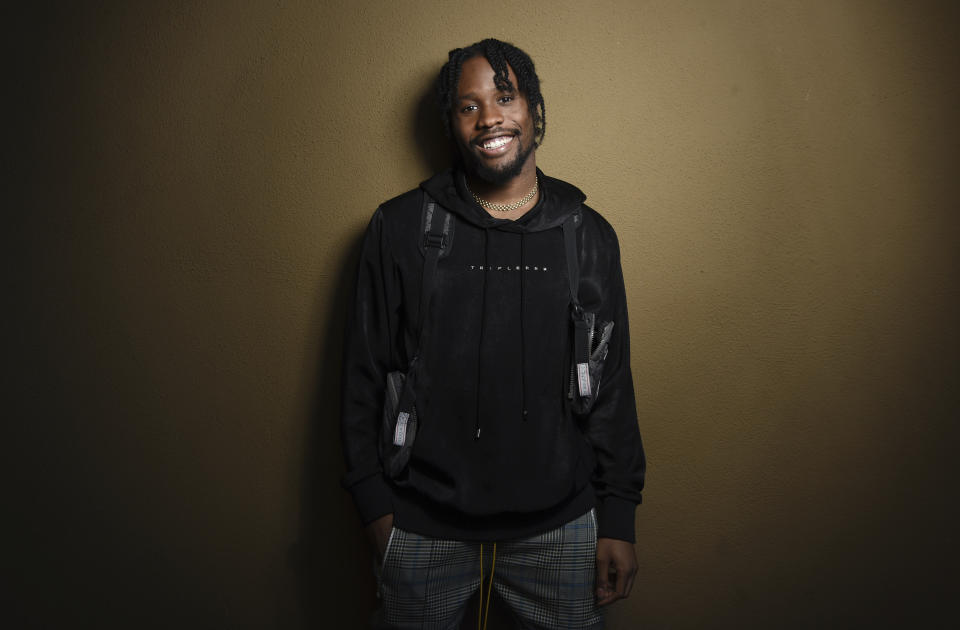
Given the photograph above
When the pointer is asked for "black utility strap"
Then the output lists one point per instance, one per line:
(581, 341)
(573, 260)
(437, 229)
(437, 234)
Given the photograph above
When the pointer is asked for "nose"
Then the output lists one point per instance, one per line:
(490, 116)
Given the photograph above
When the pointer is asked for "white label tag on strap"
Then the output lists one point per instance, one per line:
(400, 433)
(583, 378)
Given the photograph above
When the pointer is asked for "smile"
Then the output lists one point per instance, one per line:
(496, 143)
(495, 146)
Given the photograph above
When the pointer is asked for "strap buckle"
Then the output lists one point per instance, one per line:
(438, 241)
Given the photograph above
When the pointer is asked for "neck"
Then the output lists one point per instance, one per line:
(508, 192)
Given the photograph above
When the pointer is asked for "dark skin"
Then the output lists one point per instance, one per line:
(493, 130)
(485, 116)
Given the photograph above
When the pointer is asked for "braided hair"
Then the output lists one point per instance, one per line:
(499, 55)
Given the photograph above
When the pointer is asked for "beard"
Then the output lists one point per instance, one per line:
(498, 175)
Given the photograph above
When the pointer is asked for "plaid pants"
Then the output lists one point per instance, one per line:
(546, 580)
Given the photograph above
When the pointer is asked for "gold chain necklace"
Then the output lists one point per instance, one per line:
(507, 207)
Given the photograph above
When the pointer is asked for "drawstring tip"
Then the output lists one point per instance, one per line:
(477, 436)
(524, 414)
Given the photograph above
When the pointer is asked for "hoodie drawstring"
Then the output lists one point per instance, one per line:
(523, 341)
(523, 344)
(483, 319)
(484, 612)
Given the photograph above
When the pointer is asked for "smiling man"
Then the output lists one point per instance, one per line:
(489, 423)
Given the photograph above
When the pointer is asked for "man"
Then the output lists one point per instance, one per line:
(512, 486)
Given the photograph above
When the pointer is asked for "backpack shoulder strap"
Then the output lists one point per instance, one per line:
(570, 225)
(436, 227)
(581, 336)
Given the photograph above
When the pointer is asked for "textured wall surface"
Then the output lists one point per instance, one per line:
(189, 181)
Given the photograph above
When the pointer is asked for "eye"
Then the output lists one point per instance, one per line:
(467, 109)
(506, 99)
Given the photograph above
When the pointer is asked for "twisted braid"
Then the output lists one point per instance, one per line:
(499, 55)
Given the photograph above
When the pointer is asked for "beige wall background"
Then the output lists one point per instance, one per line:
(189, 181)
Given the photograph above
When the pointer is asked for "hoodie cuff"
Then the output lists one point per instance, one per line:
(615, 519)
(373, 498)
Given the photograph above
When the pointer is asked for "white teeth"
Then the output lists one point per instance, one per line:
(496, 143)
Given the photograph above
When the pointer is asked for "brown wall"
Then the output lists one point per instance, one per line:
(189, 182)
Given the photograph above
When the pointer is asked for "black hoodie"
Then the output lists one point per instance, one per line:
(499, 453)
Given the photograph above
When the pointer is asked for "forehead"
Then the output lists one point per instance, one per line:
(476, 76)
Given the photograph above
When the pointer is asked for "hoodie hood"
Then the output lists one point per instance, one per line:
(558, 200)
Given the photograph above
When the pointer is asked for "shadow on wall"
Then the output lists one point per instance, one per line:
(436, 151)
(331, 560)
